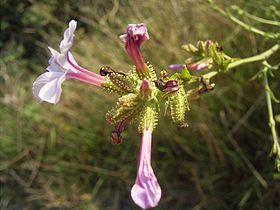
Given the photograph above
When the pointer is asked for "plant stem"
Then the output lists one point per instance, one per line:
(241, 23)
(260, 57)
(271, 122)
(261, 20)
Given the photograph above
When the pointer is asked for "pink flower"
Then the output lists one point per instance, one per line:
(135, 35)
(146, 191)
(62, 66)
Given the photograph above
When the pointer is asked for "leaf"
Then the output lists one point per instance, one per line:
(186, 74)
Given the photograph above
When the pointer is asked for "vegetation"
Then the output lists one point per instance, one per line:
(60, 156)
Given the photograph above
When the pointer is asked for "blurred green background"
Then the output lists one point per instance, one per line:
(59, 156)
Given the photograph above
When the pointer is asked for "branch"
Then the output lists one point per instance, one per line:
(241, 23)
(271, 122)
(260, 57)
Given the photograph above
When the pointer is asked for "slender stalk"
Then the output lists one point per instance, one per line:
(271, 123)
(241, 23)
(261, 20)
(259, 57)
(248, 27)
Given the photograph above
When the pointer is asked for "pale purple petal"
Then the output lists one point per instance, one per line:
(54, 66)
(59, 62)
(176, 66)
(146, 191)
(47, 87)
(68, 39)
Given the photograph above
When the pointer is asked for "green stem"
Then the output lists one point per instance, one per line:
(269, 108)
(261, 20)
(271, 122)
(246, 26)
(241, 23)
(260, 57)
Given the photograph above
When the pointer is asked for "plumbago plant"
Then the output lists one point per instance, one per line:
(143, 94)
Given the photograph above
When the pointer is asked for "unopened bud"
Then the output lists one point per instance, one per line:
(198, 66)
(145, 89)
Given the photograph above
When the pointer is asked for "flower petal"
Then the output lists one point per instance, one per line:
(54, 66)
(138, 32)
(59, 62)
(176, 66)
(68, 39)
(47, 87)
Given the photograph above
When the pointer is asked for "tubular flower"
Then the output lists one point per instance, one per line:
(135, 35)
(146, 191)
(62, 66)
(141, 92)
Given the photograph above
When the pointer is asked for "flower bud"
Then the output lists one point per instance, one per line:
(171, 86)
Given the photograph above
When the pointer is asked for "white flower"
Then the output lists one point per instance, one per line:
(47, 87)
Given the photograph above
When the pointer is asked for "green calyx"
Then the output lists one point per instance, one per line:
(140, 98)
(178, 104)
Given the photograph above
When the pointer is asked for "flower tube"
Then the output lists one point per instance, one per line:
(146, 191)
(135, 35)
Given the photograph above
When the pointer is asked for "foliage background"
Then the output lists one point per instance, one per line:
(59, 156)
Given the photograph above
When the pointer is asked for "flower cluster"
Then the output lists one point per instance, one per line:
(140, 90)
(204, 56)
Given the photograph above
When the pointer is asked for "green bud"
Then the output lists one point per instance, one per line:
(190, 48)
(128, 106)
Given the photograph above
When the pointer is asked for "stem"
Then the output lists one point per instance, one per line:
(271, 122)
(247, 27)
(255, 58)
(241, 23)
(260, 57)
(261, 20)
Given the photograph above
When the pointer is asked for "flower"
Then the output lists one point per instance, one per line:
(62, 66)
(135, 35)
(146, 191)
